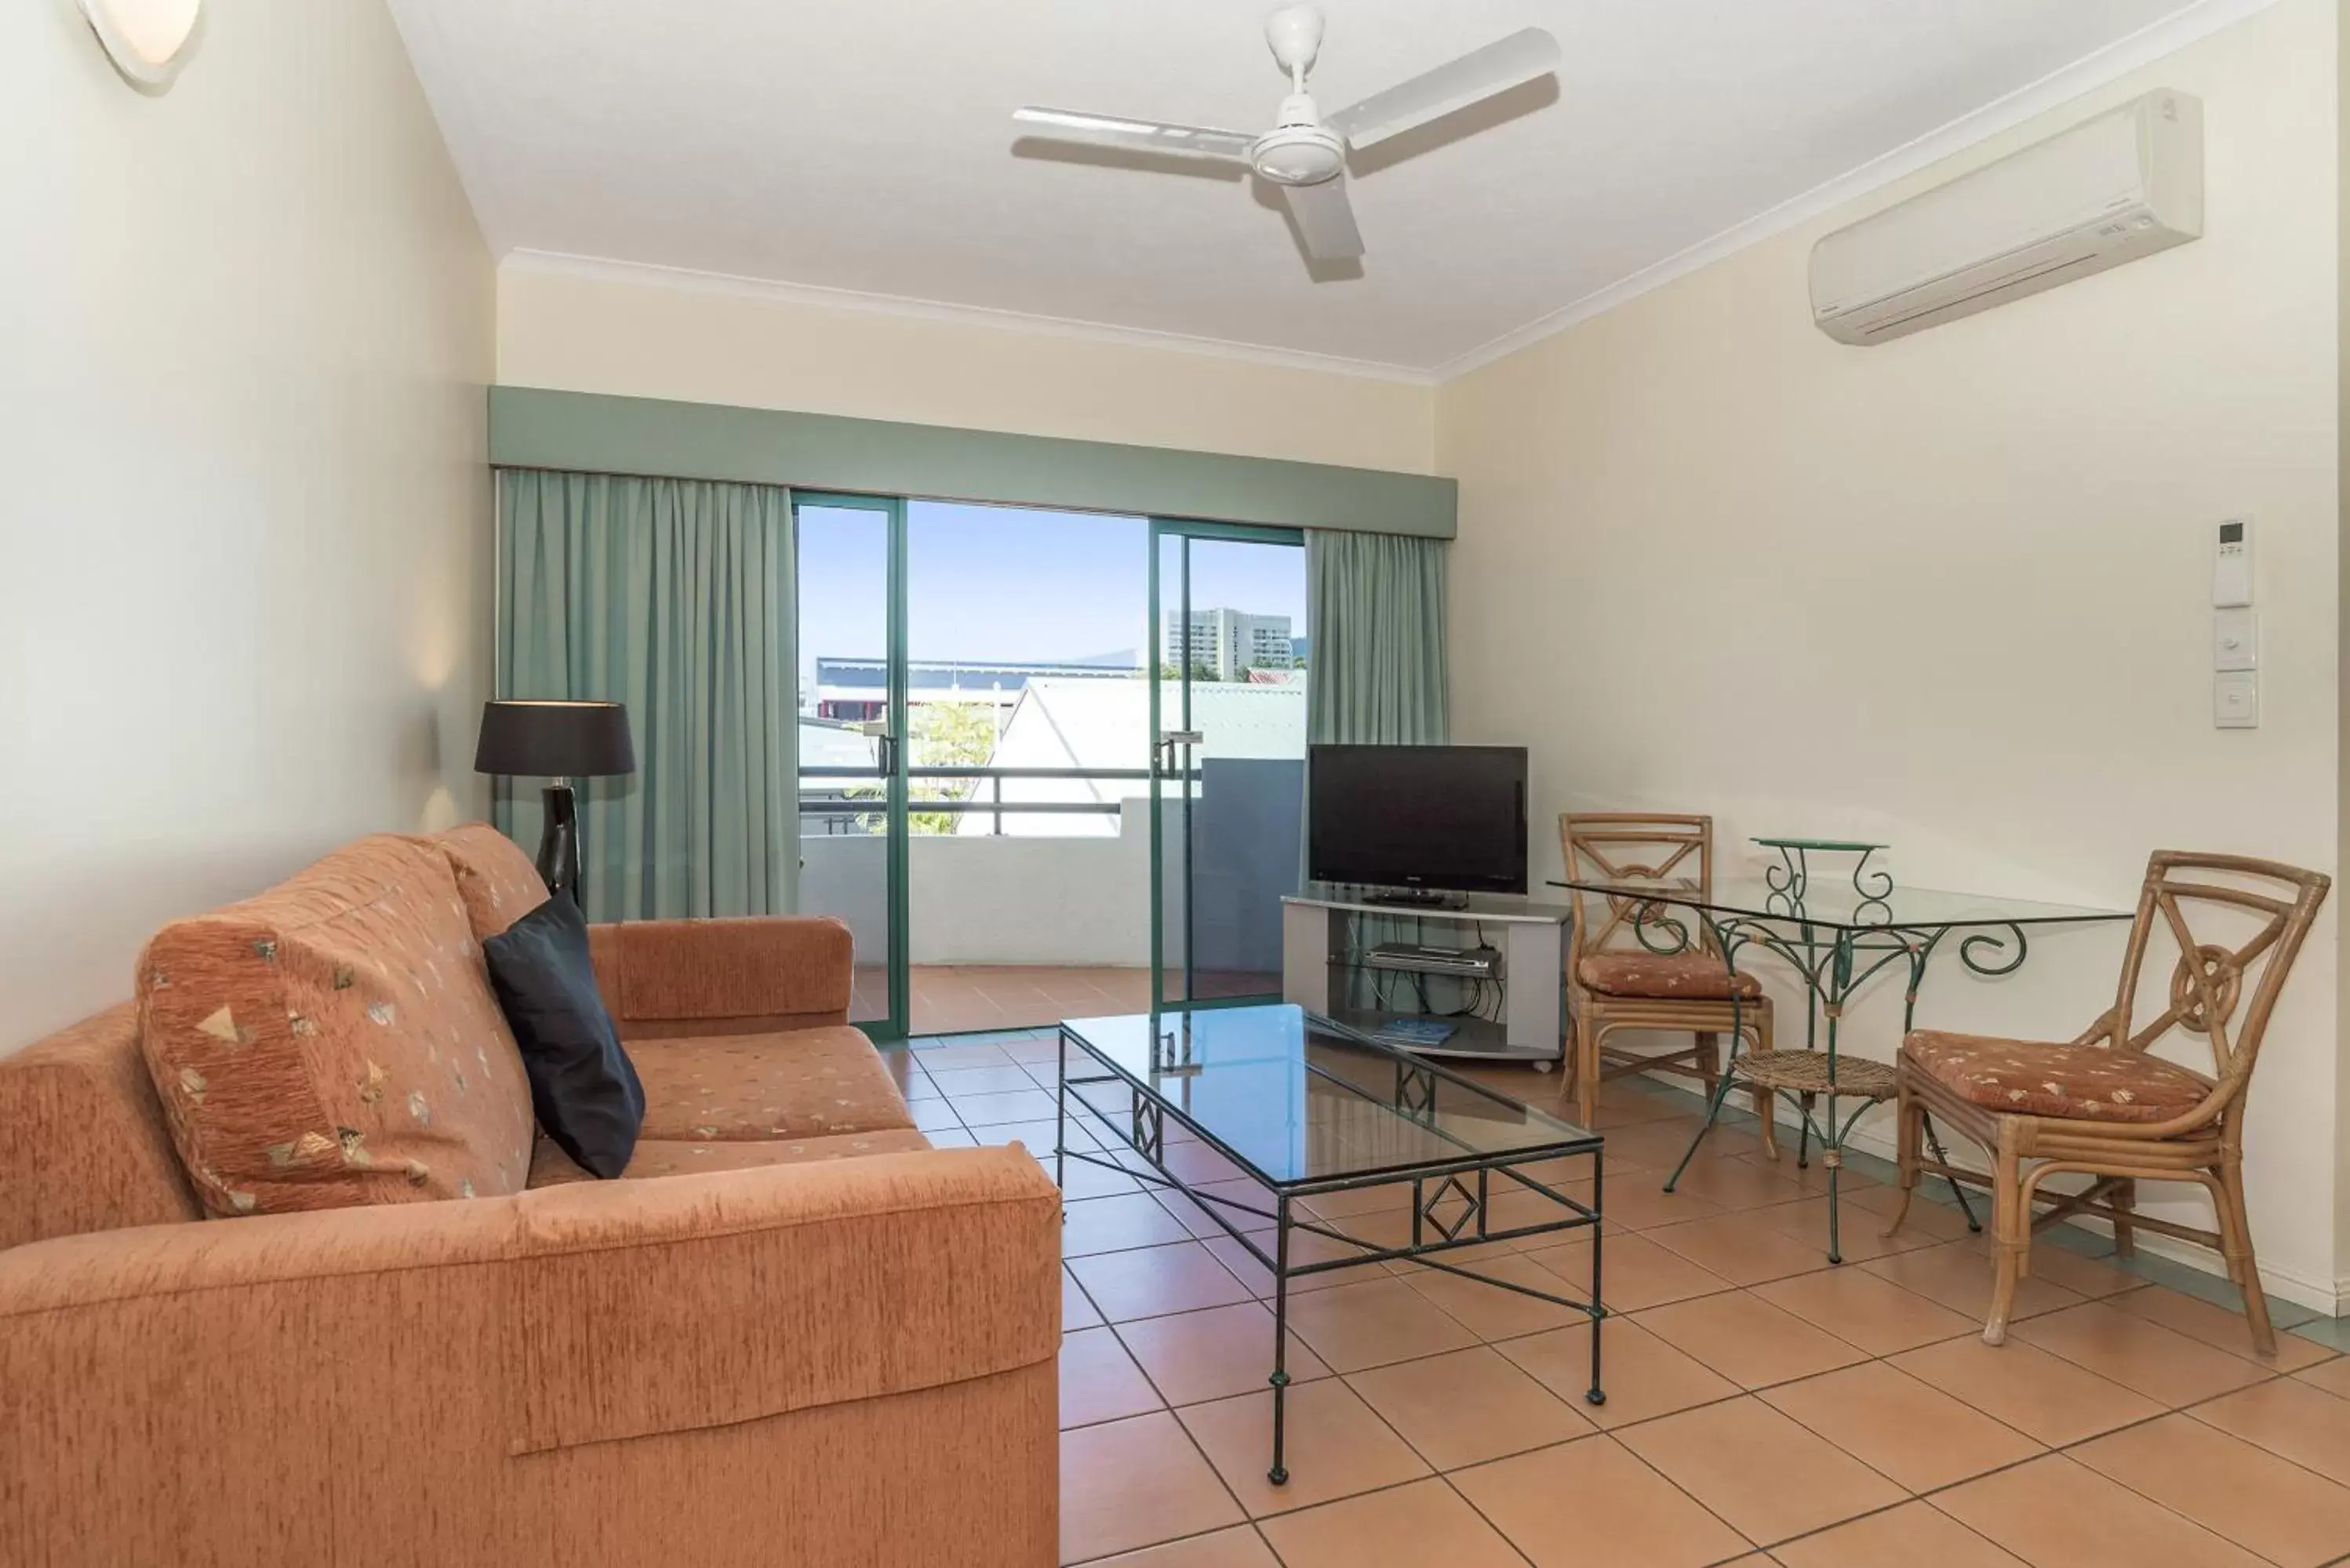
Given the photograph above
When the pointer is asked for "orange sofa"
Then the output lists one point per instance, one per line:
(793, 1334)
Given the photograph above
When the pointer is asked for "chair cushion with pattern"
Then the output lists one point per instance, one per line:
(1675, 977)
(2075, 1083)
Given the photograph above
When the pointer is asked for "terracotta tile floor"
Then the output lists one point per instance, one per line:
(1763, 1407)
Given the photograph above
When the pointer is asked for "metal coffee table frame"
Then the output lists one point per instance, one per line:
(1144, 1133)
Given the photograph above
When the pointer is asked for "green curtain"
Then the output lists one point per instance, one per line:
(1376, 672)
(677, 597)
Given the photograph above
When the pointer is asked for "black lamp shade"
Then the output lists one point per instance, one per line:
(555, 740)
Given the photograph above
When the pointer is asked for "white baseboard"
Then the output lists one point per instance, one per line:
(2314, 1293)
(2319, 1295)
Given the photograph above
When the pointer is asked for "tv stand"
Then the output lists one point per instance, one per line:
(1328, 934)
(1416, 898)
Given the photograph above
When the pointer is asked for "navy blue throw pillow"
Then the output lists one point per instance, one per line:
(583, 1086)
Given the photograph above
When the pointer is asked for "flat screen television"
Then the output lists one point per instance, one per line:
(1439, 818)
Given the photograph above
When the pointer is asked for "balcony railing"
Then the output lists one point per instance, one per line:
(841, 811)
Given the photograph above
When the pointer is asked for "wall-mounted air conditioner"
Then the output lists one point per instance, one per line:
(2121, 186)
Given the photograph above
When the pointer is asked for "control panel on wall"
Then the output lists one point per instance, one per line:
(2235, 629)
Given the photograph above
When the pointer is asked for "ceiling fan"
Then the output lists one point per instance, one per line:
(1305, 154)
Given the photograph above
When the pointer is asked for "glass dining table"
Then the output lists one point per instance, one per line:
(1837, 932)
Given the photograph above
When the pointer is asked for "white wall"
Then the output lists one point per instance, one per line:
(244, 562)
(1952, 592)
(695, 341)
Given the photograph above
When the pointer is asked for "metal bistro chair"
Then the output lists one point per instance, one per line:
(2102, 1106)
(1629, 985)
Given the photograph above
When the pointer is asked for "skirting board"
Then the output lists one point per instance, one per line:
(2328, 1297)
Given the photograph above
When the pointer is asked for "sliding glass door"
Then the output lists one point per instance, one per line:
(1228, 760)
(1052, 765)
(1028, 766)
(850, 673)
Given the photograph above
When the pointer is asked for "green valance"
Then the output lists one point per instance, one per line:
(593, 434)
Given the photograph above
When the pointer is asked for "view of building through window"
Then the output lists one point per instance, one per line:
(1028, 644)
(1226, 644)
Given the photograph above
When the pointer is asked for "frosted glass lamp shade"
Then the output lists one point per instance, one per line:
(150, 41)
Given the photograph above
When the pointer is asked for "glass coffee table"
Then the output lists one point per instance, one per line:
(1304, 1108)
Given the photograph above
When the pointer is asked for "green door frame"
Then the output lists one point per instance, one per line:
(898, 900)
(1162, 771)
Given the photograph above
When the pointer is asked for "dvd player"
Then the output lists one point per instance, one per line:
(1474, 964)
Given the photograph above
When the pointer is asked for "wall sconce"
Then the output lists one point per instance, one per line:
(150, 41)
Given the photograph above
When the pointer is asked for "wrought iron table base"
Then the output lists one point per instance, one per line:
(1144, 1133)
(1836, 938)
(1832, 969)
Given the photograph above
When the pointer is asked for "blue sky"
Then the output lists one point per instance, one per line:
(994, 582)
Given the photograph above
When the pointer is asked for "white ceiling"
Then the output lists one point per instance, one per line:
(867, 145)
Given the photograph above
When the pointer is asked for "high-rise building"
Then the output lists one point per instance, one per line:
(1228, 643)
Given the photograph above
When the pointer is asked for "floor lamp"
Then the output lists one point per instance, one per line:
(559, 742)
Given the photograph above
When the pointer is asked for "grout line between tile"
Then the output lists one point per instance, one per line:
(1184, 1426)
(1167, 1411)
(1168, 1406)
(1928, 1496)
(1643, 1459)
(1170, 1540)
(2064, 1454)
(2188, 1411)
(2271, 1374)
(2047, 1450)
(1472, 1503)
(1887, 1362)
(1340, 1378)
(2158, 1503)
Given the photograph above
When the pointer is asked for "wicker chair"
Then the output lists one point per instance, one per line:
(2101, 1104)
(1614, 982)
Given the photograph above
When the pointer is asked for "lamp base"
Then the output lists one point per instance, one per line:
(558, 844)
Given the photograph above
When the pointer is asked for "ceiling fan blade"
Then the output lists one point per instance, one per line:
(1479, 74)
(1325, 219)
(1141, 135)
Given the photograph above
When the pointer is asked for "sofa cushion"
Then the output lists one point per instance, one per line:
(694, 979)
(583, 1089)
(2077, 1082)
(499, 883)
(688, 1305)
(809, 1083)
(334, 1042)
(550, 1167)
(82, 1144)
(1665, 976)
